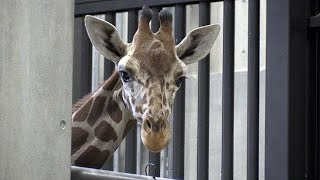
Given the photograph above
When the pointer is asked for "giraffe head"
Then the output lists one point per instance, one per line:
(151, 68)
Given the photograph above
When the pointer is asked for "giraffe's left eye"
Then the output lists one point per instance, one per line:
(179, 81)
(125, 76)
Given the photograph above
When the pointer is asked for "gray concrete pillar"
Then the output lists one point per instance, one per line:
(36, 45)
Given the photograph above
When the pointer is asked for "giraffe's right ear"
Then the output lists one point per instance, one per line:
(105, 38)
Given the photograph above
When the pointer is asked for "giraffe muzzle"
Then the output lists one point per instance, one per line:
(155, 135)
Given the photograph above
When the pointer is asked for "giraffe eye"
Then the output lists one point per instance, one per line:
(125, 76)
(179, 81)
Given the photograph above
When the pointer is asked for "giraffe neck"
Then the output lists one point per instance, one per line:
(100, 125)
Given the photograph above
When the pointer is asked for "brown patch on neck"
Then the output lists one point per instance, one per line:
(114, 111)
(92, 158)
(83, 112)
(79, 138)
(96, 109)
(105, 132)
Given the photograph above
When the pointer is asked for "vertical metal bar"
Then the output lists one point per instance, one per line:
(277, 88)
(86, 62)
(82, 63)
(317, 108)
(76, 73)
(179, 104)
(155, 23)
(109, 65)
(286, 94)
(228, 90)
(155, 157)
(312, 116)
(131, 138)
(313, 98)
(203, 102)
(253, 90)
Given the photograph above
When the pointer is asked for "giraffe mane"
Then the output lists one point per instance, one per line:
(80, 102)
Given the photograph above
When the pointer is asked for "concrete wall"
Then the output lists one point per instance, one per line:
(36, 42)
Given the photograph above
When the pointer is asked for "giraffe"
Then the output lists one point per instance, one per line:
(149, 71)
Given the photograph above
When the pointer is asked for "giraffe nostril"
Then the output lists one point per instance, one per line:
(148, 124)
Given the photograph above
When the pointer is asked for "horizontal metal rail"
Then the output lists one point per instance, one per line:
(81, 173)
(83, 7)
(314, 21)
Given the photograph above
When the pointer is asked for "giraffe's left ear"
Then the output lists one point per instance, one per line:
(105, 38)
(197, 44)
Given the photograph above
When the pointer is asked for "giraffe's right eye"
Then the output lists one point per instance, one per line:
(125, 76)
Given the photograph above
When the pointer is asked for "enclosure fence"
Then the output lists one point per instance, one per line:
(287, 131)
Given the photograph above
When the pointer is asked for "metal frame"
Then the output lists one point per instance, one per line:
(179, 104)
(253, 90)
(83, 7)
(285, 89)
(80, 173)
(203, 102)
(228, 90)
(312, 165)
(82, 67)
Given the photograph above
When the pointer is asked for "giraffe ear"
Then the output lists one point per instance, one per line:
(105, 38)
(197, 44)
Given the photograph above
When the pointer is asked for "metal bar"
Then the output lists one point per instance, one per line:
(313, 95)
(179, 104)
(228, 90)
(317, 143)
(155, 23)
(314, 21)
(88, 1)
(81, 173)
(131, 138)
(109, 65)
(76, 70)
(277, 88)
(312, 115)
(253, 91)
(154, 158)
(203, 102)
(285, 153)
(98, 7)
(86, 61)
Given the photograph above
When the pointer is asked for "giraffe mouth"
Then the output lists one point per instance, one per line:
(155, 138)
